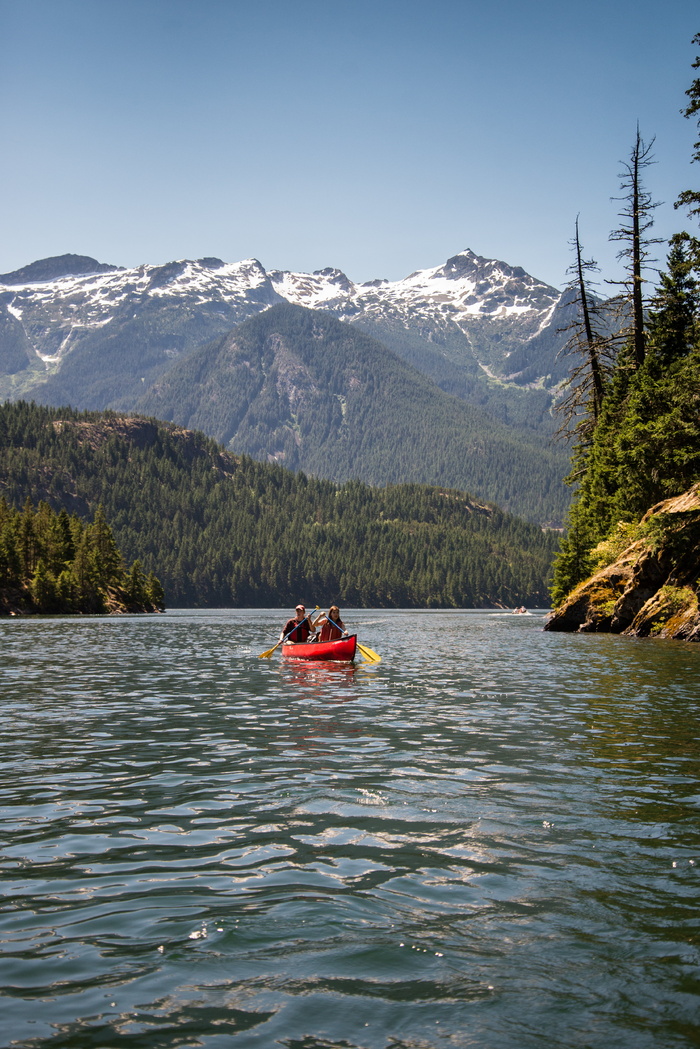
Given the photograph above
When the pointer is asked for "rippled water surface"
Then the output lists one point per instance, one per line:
(491, 838)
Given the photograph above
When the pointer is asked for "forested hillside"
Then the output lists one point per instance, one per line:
(634, 407)
(223, 530)
(524, 407)
(297, 387)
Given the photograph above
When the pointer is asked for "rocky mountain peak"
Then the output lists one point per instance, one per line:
(445, 319)
(56, 267)
(335, 276)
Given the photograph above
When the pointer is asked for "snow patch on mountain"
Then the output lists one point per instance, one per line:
(465, 287)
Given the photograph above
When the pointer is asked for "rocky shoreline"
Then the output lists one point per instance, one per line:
(651, 587)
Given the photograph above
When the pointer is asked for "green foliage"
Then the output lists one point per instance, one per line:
(228, 531)
(136, 585)
(674, 320)
(678, 598)
(608, 551)
(690, 198)
(53, 562)
(646, 445)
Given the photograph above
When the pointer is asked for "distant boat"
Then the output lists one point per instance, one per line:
(342, 650)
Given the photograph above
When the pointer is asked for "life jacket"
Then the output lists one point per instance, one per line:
(332, 629)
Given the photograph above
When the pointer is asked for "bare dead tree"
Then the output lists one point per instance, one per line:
(590, 340)
(637, 220)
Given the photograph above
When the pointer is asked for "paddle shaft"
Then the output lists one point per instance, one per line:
(341, 629)
(264, 655)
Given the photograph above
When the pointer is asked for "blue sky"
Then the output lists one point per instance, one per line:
(379, 137)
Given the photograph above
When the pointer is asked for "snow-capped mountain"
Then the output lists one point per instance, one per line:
(71, 327)
(465, 288)
(54, 313)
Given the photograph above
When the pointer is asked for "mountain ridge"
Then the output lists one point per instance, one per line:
(469, 307)
(56, 267)
(478, 330)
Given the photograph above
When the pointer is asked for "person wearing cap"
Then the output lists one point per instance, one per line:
(298, 628)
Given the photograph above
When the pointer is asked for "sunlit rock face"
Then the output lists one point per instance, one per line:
(651, 589)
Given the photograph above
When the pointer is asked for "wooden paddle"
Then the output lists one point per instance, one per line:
(266, 655)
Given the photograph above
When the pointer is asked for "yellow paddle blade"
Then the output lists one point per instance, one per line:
(369, 654)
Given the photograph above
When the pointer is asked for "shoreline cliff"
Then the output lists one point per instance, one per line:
(649, 581)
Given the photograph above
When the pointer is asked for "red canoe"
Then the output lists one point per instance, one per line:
(343, 649)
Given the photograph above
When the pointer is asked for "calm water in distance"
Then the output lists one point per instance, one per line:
(490, 839)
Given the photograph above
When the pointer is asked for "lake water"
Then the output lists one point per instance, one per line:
(489, 839)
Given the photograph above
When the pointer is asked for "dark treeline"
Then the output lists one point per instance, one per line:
(51, 561)
(222, 530)
(634, 407)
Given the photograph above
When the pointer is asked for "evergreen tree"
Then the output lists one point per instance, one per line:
(43, 589)
(673, 324)
(155, 595)
(84, 577)
(136, 593)
(690, 198)
(27, 540)
(51, 562)
(107, 561)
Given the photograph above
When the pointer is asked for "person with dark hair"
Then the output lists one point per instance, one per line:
(332, 626)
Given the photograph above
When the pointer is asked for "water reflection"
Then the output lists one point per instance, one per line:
(317, 677)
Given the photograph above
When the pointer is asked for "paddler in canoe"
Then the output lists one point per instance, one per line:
(332, 626)
(298, 638)
(299, 628)
(333, 629)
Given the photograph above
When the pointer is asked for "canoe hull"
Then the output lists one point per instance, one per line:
(342, 650)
